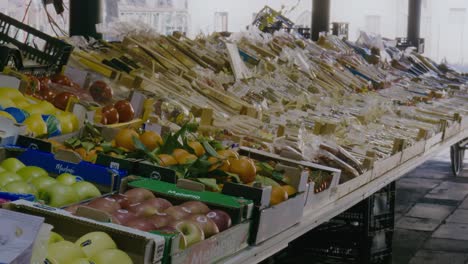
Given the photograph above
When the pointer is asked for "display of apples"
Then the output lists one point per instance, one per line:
(139, 208)
(15, 177)
(93, 247)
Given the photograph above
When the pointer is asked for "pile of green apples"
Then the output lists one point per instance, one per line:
(94, 247)
(15, 177)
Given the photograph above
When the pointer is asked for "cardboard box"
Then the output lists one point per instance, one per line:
(212, 249)
(352, 185)
(413, 151)
(271, 220)
(318, 200)
(9, 131)
(105, 179)
(142, 247)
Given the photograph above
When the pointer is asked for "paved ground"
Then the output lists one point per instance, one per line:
(431, 215)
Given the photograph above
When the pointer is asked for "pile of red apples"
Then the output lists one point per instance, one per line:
(139, 208)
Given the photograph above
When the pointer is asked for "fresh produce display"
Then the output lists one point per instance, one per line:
(94, 247)
(140, 209)
(41, 118)
(63, 190)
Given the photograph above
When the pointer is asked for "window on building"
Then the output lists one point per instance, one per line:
(221, 21)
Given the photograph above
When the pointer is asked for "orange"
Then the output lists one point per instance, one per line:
(244, 168)
(228, 154)
(186, 159)
(98, 149)
(289, 189)
(197, 147)
(179, 153)
(219, 164)
(82, 152)
(167, 160)
(124, 138)
(151, 140)
(278, 195)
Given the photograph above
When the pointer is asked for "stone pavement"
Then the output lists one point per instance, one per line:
(431, 215)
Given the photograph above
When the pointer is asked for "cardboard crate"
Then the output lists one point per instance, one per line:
(105, 179)
(212, 249)
(271, 220)
(413, 151)
(451, 130)
(384, 165)
(352, 185)
(437, 138)
(9, 131)
(142, 247)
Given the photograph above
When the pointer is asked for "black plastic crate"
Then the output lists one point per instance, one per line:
(50, 54)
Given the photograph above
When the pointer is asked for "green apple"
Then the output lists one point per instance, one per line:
(54, 238)
(81, 261)
(63, 252)
(66, 178)
(114, 256)
(59, 195)
(7, 177)
(20, 187)
(31, 172)
(86, 190)
(42, 183)
(2, 169)
(95, 242)
(12, 164)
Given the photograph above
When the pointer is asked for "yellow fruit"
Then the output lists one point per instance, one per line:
(21, 102)
(6, 102)
(228, 154)
(278, 195)
(185, 159)
(35, 125)
(10, 93)
(289, 189)
(245, 168)
(216, 163)
(151, 140)
(167, 160)
(124, 138)
(65, 123)
(197, 147)
(7, 115)
(48, 108)
(178, 154)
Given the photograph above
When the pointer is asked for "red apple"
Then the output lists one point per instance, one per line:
(142, 224)
(159, 203)
(138, 195)
(191, 232)
(122, 199)
(208, 226)
(123, 216)
(142, 209)
(196, 207)
(160, 220)
(167, 230)
(221, 219)
(178, 212)
(105, 204)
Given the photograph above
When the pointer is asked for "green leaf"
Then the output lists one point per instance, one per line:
(266, 169)
(210, 150)
(87, 146)
(210, 183)
(277, 175)
(217, 145)
(266, 181)
(233, 176)
(72, 142)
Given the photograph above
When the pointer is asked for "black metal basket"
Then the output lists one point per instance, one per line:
(49, 54)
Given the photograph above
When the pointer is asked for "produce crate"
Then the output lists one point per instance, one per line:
(413, 151)
(437, 138)
(271, 220)
(9, 131)
(142, 247)
(212, 249)
(354, 184)
(385, 165)
(50, 53)
(107, 180)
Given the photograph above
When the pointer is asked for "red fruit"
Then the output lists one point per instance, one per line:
(159, 203)
(160, 220)
(142, 209)
(221, 219)
(61, 100)
(48, 95)
(142, 224)
(123, 216)
(45, 82)
(60, 79)
(110, 114)
(196, 207)
(138, 195)
(125, 109)
(208, 226)
(101, 92)
(105, 204)
(178, 212)
(122, 199)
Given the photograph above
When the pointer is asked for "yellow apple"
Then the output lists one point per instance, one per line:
(36, 125)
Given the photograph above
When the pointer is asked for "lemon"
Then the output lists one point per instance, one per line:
(36, 125)
(7, 115)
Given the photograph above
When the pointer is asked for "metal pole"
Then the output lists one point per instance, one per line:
(320, 17)
(414, 22)
(84, 15)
